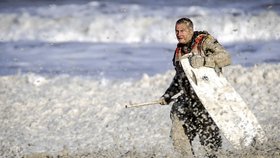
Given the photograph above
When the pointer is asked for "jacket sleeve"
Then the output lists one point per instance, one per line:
(216, 55)
(173, 89)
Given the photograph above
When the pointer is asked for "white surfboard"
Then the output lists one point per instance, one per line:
(225, 106)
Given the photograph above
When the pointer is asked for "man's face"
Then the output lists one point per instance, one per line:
(183, 33)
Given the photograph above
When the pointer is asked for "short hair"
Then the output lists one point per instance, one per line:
(186, 21)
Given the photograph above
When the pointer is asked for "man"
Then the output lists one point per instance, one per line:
(188, 115)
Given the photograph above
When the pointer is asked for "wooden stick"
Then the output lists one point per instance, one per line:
(142, 104)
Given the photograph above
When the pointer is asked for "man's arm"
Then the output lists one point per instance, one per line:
(172, 90)
(216, 55)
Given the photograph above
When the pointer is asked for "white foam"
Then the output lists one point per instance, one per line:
(79, 113)
(84, 115)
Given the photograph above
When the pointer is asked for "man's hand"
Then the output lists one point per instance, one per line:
(162, 101)
(197, 61)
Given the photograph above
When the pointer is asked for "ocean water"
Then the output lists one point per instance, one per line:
(68, 68)
(127, 38)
